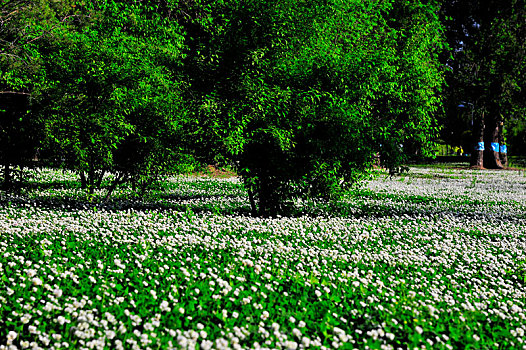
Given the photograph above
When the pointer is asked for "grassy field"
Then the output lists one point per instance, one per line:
(433, 259)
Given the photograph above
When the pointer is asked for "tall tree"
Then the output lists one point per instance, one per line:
(111, 101)
(302, 96)
(488, 69)
(23, 23)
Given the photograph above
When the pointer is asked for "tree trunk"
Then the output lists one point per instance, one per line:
(7, 176)
(119, 179)
(91, 179)
(491, 153)
(253, 206)
(83, 182)
(99, 177)
(503, 150)
(477, 157)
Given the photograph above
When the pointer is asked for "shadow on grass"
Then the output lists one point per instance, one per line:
(233, 205)
(57, 185)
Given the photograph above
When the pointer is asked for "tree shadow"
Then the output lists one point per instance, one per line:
(235, 205)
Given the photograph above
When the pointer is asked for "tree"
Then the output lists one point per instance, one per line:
(488, 68)
(302, 96)
(112, 102)
(20, 76)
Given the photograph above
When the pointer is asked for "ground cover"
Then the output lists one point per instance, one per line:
(431, 259)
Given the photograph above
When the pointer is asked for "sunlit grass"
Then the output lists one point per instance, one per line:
(430, 260)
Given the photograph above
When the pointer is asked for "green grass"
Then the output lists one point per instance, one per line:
(434, 259)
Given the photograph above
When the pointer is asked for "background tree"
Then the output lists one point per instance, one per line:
(487, 41)
(112, 103)
(22, 24)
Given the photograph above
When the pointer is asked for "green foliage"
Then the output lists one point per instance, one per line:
(487, 63)
(303, 96)
(110, 97)
(23, 23)
(385, 262)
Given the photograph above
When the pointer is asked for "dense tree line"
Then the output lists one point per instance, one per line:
(302, 98)
(487, 78)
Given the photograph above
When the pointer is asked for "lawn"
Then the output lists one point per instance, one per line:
(435, 258)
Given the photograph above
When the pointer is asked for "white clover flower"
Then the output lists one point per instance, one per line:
(296, 332)
(57, 292)
(305, 342)
(37, 281)
(289, 344)
(61, 319)
(11, 336)
(419, 329)
(165, 306)
(206, 345)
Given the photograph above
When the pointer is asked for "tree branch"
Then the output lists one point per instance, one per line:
(15, 93)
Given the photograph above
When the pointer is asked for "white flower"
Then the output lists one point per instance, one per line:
(296, 332)
(37, 281)
(265, 315)
(57, 292)
(289, 344)
(305, 341)
(110, 334)
(11, 336)
(206, 345)
(165, 306)
(419, 329)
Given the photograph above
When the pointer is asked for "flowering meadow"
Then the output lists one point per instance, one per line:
(431, 259)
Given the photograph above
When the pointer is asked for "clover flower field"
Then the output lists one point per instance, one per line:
(432, 259)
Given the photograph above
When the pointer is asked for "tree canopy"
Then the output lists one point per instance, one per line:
(487, 62)
(302, 98)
